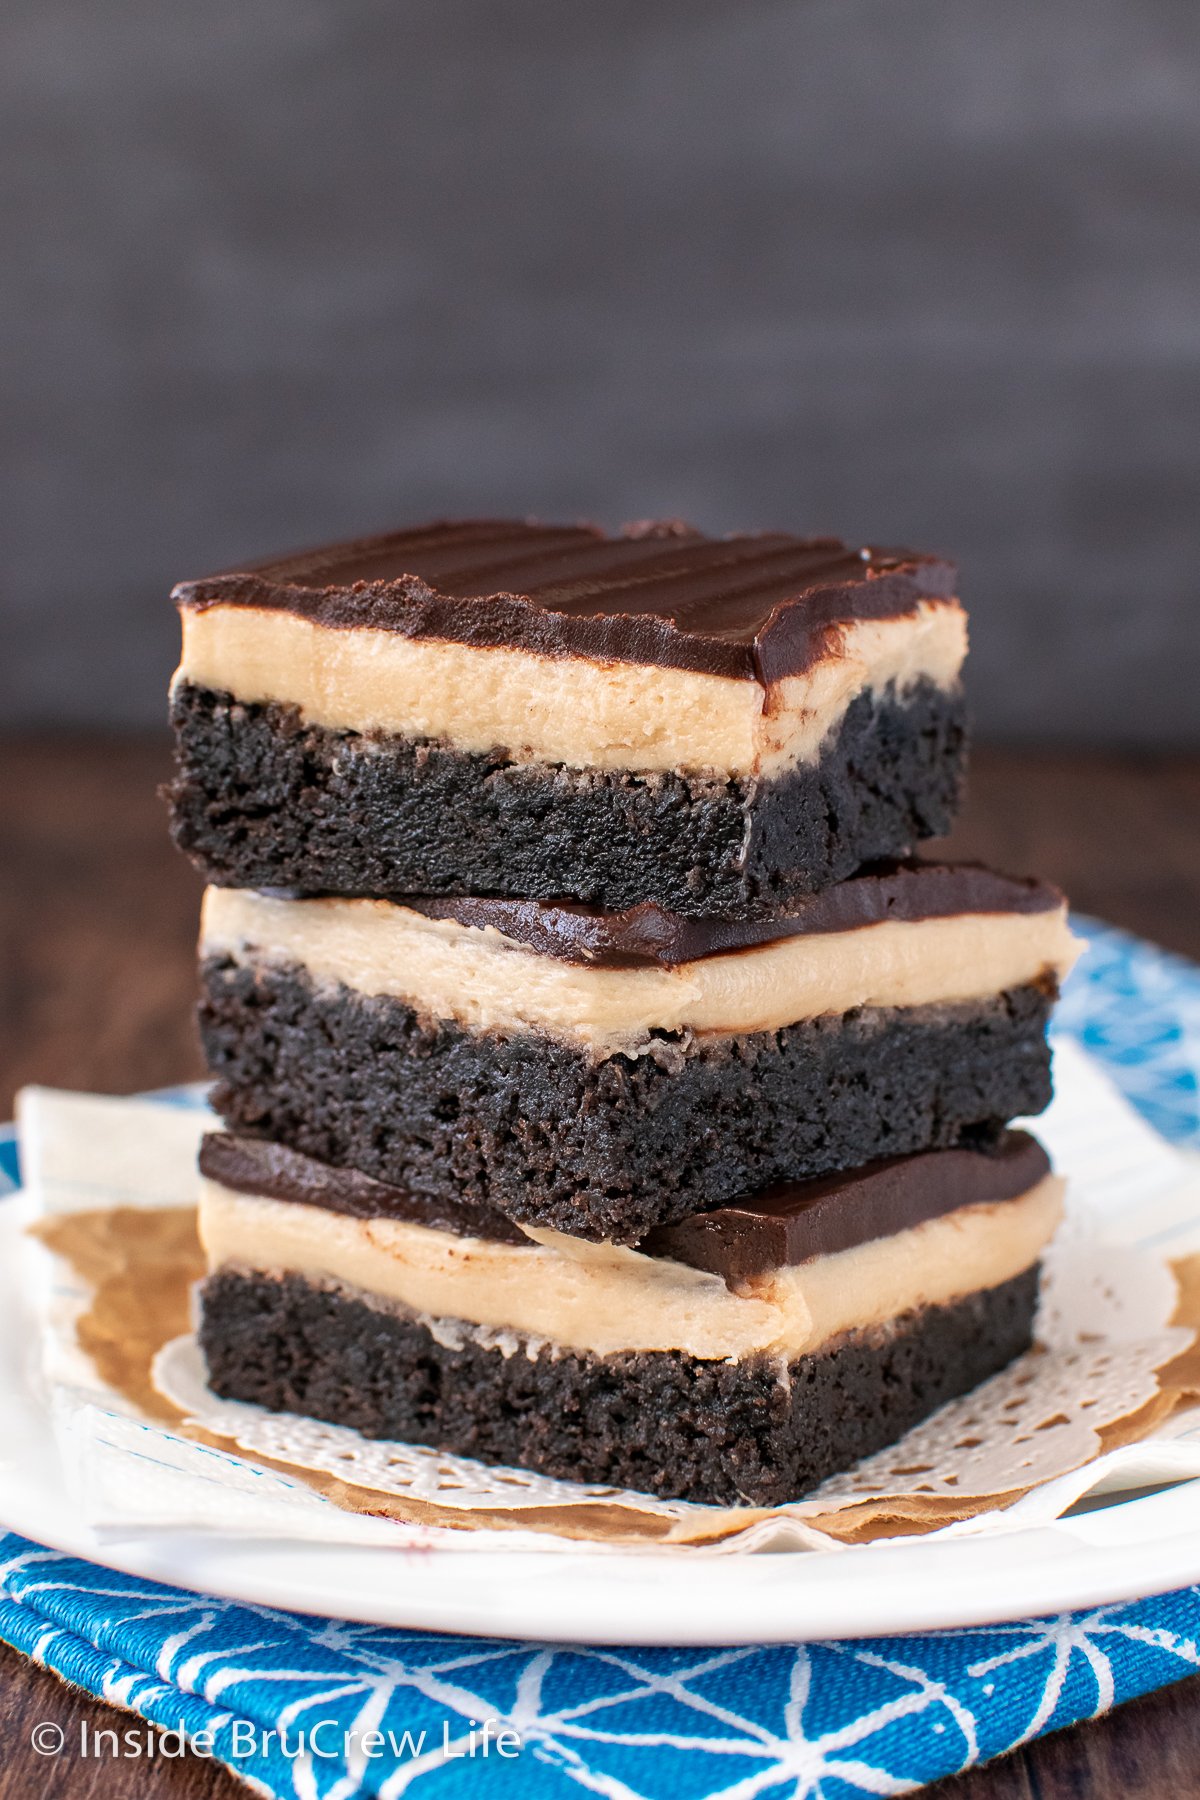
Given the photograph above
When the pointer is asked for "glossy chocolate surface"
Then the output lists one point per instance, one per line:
(796, 1221)
(751, 607)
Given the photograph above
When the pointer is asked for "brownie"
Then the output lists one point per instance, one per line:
(630, 753)
(753, 1432)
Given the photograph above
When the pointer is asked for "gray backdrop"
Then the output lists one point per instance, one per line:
(929, 270)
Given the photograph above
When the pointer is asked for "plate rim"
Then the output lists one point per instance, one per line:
(1126, 1550)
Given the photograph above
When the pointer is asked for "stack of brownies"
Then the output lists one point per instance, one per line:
(608, 1092)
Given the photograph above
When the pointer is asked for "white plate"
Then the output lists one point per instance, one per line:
(1114, 1552)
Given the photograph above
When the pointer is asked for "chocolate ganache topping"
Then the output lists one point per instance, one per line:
(906, 891)
(794, 1221)
(753, 608)
(269, 1171)
(788, 1223)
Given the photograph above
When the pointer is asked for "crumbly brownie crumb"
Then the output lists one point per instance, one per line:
(262, 799)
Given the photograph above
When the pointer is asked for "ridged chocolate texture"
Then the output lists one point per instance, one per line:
(256, 1166)
(798, 1220)
(754, 607)
(904, 891)
(777, 1228)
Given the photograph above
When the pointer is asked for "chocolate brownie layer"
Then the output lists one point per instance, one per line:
(262, 799)
(658, 1422)
(544, 1133)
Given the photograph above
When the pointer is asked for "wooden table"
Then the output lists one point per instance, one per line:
(97, 928)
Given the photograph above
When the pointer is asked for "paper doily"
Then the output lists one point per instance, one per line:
(1037, 1420)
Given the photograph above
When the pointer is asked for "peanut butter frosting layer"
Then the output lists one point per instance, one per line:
(604, 1298)
(746, 607)
(581, 712)
(479, 978)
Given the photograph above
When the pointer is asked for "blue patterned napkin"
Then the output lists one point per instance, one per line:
(874, 1717)
(841, 1720)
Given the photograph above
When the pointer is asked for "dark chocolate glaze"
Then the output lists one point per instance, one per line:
(753, 607)
(256, 1166)
(798, 1220)
(649, 934)
(789, 1223)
